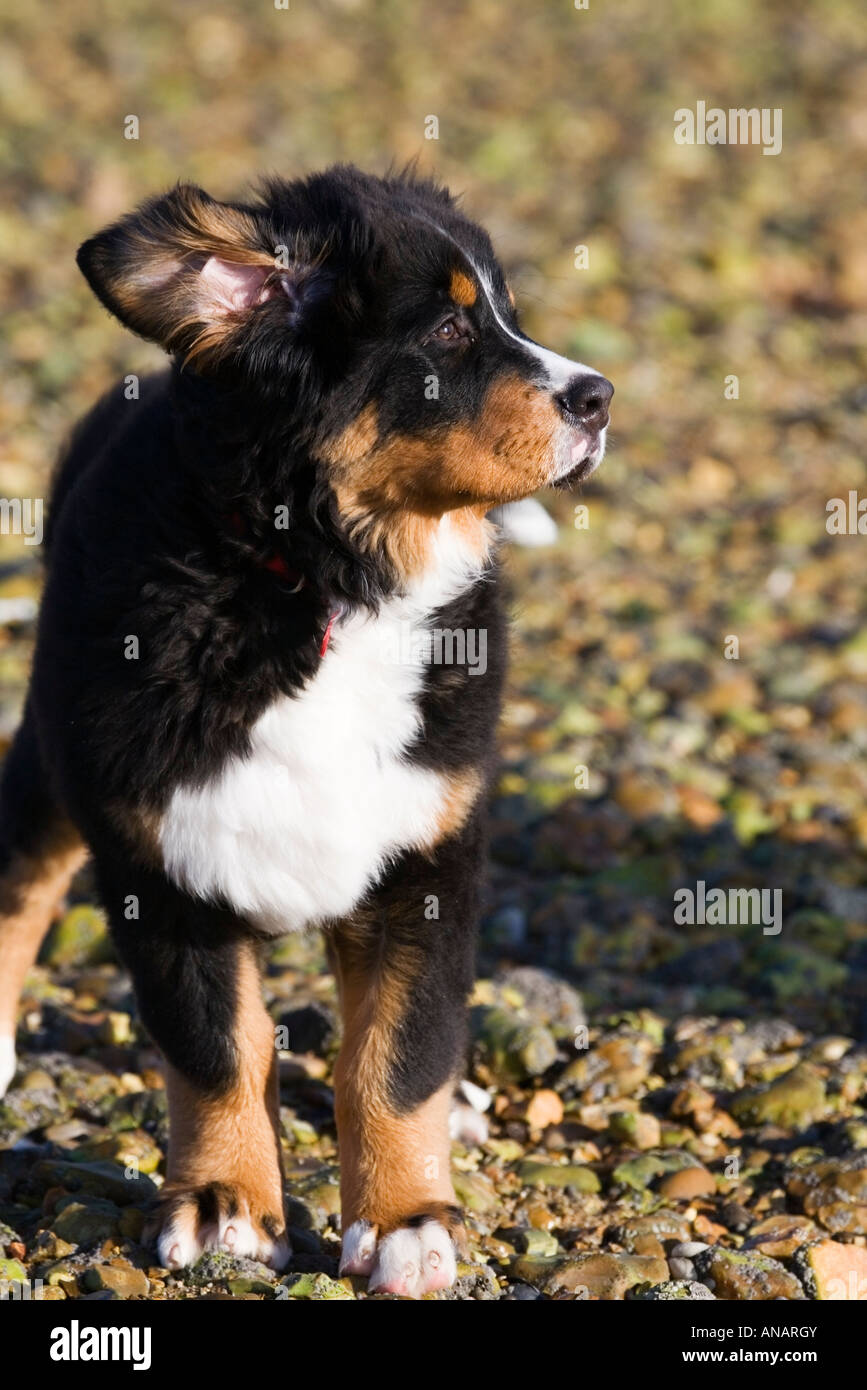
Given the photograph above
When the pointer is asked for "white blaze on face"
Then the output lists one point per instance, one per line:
(574, 447)
(559, 372)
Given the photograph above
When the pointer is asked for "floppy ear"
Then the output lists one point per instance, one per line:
(184, 270)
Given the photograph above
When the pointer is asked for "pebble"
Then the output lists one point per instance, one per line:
(832, 1271)
(316, 1287)
(86, 1223)
(735, 1274)
(672, 1290)
(688, 1249)
(599, 1275)
(534, 1174)
(536, 1242)
(794, 1100)
(509, 1048)
(122, 1279)
(640, 1130)
(687, 1184)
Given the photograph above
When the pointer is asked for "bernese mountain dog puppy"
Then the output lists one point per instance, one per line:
(257, 700)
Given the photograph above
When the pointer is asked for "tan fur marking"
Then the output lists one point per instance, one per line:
(233, 1139)
(391, 493)
(30, 894)
(140, 827)
(511, 294)
(463, 791)
(391, 1166)
(408, 538)
(462, 289)
(355, 442)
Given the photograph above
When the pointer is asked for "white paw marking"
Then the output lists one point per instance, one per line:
(182, 1241)
(414, 1261)
(359, 1248)
(7, 1061)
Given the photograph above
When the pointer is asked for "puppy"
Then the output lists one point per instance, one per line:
(258, 699)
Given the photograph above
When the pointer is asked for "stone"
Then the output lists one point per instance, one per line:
(639, 1174)
(661, 1224)
(87, 1223)
(79, 938)
(833, 1190)
(593, 1274)
(314, 1286)
(543, 1108)
(671, 1290)
(780, 1236)
(48, 1246)
(12, 1272)
(475, 1192)
(633, 1127)
(734, 1274)
(102, 1178)
(123, 1279)
(547, 999)
(536, 1242)
(582, 1179)
(687, 1184)
(130, 1149)
(511, 1048)
(833, 1272)
(243, 1284)
(793, 1101)
(688, 1249)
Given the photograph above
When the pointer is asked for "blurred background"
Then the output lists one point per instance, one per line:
(707, 519)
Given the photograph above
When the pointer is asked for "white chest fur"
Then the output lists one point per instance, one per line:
(298, 830)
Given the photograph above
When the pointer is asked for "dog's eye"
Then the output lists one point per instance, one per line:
(451, 330)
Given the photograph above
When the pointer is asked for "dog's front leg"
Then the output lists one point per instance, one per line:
(404, 968)
(197, 983)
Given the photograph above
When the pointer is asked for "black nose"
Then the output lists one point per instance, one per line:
(586, 400)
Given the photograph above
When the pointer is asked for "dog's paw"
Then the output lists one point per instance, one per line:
(413, 1259)
(218, 1216)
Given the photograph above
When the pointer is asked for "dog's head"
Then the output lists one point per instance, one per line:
(377, 317)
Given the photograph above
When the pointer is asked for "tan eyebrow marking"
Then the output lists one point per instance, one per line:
(462, 289)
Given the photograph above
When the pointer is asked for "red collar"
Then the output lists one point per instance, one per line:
(295, 578)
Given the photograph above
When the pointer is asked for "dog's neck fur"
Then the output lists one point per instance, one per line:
(245, 480)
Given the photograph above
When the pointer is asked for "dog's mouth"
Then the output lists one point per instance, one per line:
(582, 455)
